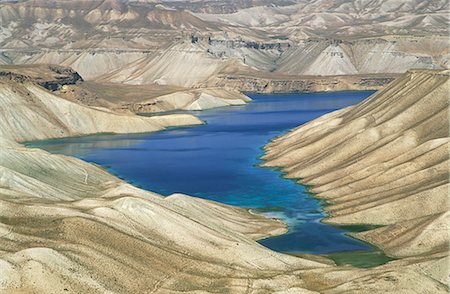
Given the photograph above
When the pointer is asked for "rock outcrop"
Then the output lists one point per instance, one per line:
(51, 77)
(290, 84)
(29, 112)
(212, 63)
(66, 83)
(66, 225)
(382, 162)
(146, 42)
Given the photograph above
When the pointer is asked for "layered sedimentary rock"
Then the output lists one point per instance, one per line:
(190, 64)
(340, 18)
(161, 42)
(29, 112)
(270, 83)
(70, 226)
(51, 77)
(150, 98)
(64, 82)
(67, 225)
(382, 162)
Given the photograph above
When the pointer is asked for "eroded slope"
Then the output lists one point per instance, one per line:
(69, 226)
(147, 42)
(383, 161)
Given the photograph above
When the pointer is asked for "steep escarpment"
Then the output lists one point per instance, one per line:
(183, 64)
(148, 42)
(51, 77)
(205, 60)
(382, 162)
(272, 83)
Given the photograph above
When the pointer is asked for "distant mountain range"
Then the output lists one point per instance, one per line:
(193, 43)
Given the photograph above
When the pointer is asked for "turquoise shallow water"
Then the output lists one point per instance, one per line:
(219, 161)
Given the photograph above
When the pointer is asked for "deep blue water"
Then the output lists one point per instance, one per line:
(219, 161)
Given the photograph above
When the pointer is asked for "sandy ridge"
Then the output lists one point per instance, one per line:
(383, 161)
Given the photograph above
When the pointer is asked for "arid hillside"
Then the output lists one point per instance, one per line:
(381, 162)
(69, 226)
(65, 83)
(190, 43)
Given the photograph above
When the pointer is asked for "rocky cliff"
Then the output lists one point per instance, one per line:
(153, 42)
(51, 77)
(289, 84)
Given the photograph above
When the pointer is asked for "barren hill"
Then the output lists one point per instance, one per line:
(185, 43)
(69, 226)
(383, 162)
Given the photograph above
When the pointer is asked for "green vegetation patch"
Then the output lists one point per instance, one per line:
(361, 259)
(358, 228)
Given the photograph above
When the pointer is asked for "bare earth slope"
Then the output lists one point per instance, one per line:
(30, 112)
(68, 84)
(69, 226)
(383, 161)
(185, 43)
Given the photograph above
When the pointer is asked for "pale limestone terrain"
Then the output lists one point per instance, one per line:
(188, 44)
(193, 100)
(150, 98)
(194, 65)
(69, 226)
(341, 18)
(120, 98)
(383, 162)
(30, 113)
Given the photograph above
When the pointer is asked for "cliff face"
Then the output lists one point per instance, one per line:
(146, 42)
(51, 77)
(210, 62)
(290, 84)
(383, 161)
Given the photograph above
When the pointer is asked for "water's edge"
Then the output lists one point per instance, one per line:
(355, 258)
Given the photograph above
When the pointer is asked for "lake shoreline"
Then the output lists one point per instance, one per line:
(260, 147)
